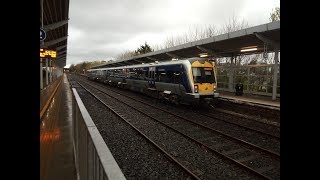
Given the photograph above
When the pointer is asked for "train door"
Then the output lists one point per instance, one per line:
(151, 75)
(185, 86)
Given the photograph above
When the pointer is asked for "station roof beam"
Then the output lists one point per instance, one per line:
(54, 20)
(266, 40)
(153, 59)
(173, 55)
(61, 47)
(50, 43)
(61, 52)
(50, 27)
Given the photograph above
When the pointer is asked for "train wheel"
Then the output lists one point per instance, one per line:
(174, 99)
(161, 95)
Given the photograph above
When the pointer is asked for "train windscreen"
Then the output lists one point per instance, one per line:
(203, 75)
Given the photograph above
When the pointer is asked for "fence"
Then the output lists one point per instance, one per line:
(93, 158)
(256, 79)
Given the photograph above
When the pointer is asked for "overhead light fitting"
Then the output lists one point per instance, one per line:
(203, 55)
(251, 49)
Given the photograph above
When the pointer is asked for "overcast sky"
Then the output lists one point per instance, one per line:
(102, 29)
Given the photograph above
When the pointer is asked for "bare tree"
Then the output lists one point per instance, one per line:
(197, 32)
(194, 33)
(234, 24)
(210, 31)
(126, 54)
(169, 42)
(157, 47)
(275, 14)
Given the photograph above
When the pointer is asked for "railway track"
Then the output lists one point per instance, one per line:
(122, 116)
(251, 118)
(261, 162)
(243, 121)
(129, 174)
(262, 129)
(268, 114)
(251, 123)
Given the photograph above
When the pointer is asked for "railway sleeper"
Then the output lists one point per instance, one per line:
(264, 169)
(248, 158)
(208, 139)
(233, 151)
(220, 145)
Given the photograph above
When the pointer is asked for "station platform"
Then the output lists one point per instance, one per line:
(46, 94)
(252, 99)
(56, 145)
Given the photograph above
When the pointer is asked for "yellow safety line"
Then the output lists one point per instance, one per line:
(48, 101)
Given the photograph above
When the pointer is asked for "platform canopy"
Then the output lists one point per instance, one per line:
(265, 38)
(55, 23)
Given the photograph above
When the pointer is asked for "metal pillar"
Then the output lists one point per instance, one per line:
(248, 75)
(41, 75)
(47, 83)
(50, 70)
(275, 75)
(231, 72)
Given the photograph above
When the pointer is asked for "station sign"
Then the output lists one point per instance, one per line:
(45, 53)
(42, 35)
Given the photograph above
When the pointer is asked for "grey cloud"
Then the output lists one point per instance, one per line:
(108, 25)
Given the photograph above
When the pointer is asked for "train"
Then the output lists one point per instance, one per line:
(189, 81)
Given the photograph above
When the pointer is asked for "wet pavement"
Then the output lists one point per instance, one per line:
(56, 148)
(46, 93)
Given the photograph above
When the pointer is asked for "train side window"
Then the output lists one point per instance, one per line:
(162, 76)
(170, 77)
(118, 73)
(127, 73)
(140, 74)
(145, 74)
(156, 76)
(177, 77)
(132, 73)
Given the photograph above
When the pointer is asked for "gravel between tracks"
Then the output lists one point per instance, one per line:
(137, 158)
(233, 130)
(244, 108)
(186, 126)
(214, 168)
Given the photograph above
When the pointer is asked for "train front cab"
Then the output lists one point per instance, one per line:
(203, 77)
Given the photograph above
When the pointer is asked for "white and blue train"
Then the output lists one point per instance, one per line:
(189, 81)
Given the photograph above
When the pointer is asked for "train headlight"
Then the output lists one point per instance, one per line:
(214, 86)
(196, 88)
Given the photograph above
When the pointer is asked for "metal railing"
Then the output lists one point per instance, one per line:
(93, 158)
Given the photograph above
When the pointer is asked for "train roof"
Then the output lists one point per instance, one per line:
(169, 62)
